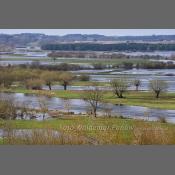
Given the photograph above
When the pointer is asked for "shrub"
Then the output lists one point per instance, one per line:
(7, 109)
(35, 84)
(84, 77)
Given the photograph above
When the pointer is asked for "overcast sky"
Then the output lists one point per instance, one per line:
(109, 32)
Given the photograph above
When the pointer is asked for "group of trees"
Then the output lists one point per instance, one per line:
(49, 78)
(155, 65)
(129, 64)
(109, 47)
(56, 67)
(95, 96)
(120, 86)
(34, 78)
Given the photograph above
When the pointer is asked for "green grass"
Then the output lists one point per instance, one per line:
(146, 99)
(86, 83)
(98, 60)
(23, 58)
(90, 61)
(89, 83)
(103, 130)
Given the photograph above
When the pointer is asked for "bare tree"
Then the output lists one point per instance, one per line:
(67, 105)
(23, 110)
(158, 86)
(107, 110)
(49, 78)
(137, 84)
(119, 86)
(34, 84)
(65, 79)
(93, 97)
(43, 106)
(54, 59)
(53, 56)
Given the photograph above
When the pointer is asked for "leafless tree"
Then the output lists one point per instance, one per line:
(93, 97)
(49, 78)
(43, 106)
(107, 110)
(137, 84)
(65, 79)
(158, 86)
(67, 105)
(23, 110)
(119, 86)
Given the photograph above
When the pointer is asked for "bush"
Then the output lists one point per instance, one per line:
(6, 78)
(98, 66)
(35, 84)
(128, 65)
(84, 78)
(162, 120)
(7, 109)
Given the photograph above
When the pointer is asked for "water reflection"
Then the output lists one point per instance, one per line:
(79, 106)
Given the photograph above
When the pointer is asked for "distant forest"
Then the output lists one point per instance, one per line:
(109, 47)
(33, 39)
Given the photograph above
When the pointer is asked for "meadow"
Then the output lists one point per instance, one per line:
(90, 131)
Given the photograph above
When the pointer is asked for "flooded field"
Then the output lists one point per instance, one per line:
(155, 53)
(144, 75)
(79, 106)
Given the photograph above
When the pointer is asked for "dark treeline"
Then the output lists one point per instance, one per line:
(109, 47)
(155, 65)
(58, 67)
(94, 54)
(145, 65)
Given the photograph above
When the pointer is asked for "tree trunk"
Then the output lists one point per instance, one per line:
(50, 88)
(65, 87)
(95, 113)
(43, 116)
(137, 88)
(118, 95)
(157, 94)
(121, 95)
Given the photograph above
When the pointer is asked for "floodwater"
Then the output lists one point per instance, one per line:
(155, 53)
(20, 62)
(145, 75)
(79, 106)
(20, 133)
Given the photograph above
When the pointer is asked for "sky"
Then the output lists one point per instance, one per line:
(107, 32)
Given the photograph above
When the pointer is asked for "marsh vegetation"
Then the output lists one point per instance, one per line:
(68, 99)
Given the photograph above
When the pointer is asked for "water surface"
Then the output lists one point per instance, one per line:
(79, 106)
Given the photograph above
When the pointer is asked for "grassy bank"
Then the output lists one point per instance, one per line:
(103, 130)
(114, 61)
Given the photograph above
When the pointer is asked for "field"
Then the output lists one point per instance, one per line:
(81, 61)
(96, 131)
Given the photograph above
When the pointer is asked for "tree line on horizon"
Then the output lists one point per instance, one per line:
(109, 47)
